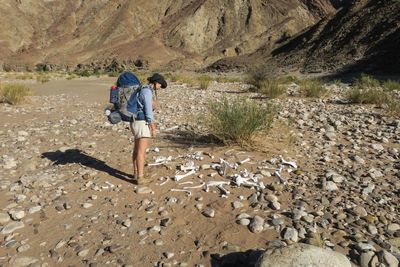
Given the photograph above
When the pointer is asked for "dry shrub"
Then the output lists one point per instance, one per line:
(313, 88)
(271, 88)
(366, 81)
(204, 81)
(13, 93)
(367, 96)
(391, 85)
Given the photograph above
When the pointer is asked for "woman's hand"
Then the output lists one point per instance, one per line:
(153, 132)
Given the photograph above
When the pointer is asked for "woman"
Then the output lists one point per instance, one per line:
(144, 126)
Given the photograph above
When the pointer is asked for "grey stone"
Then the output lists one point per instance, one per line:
(34, 209)
(257, 225)
(388, 259)
(11, 227)
(237, 205)
(17, 215)
(291, 234)
(331, 186)
(244, 221)
(365, 258)
(23, 261)
(302, 255)
(209, 213)
(83, 253)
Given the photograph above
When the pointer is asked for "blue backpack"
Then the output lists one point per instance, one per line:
(124, 97)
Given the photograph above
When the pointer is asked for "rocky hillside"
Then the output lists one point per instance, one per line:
(361, 36)
(175, 33)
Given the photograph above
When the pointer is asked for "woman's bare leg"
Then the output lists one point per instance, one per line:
(141, 154)
(134, 157)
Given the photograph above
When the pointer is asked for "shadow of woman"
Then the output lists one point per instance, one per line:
(77, 156)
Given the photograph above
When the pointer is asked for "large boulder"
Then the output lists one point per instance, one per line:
(302, 255)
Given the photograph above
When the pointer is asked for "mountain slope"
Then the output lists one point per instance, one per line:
(180, 32)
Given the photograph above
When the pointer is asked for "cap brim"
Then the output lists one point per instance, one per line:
(163, 84)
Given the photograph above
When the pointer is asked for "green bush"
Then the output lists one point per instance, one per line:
(366, 81)
(288, 79)
(256, 78)
(204, 81)
(391, 85)
(313, 88)
(271, 88)
(13, 93)
(43, 78)
(239, 120)
(393, 107)
(367, 96)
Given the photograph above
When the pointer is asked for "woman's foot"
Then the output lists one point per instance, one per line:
(143, 180)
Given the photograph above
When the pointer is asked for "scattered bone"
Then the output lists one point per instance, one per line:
(290, 163)
(194, 187)
(181, 190)
(215, 183)
(244, 161)
(180, 177)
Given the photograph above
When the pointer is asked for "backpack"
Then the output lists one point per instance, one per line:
(128, 87)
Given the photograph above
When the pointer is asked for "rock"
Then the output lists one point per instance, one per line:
(256, 225)
(363, 246)
(377, 147)
(388, 259)
(87, 205)
(271, 198)
(23, 248)
(393, 227)
(291, 234)
(360, 211)
(237, 205)
(127, 223)
(4, 218)
(365, 258)
(17, 215)
(331, 186)
(11, 227)
(143, 190)
(275, 205)
(34, 209)
(83, 253)
(297, 255)
(209, 213)
(23, 261)
(244, 221)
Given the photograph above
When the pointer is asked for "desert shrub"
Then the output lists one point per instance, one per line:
(367, 96)
(393, 107)
(13, 93)
(228, 79)
(256, 78)
(271, 88)
(83, 73)
(366, 81)
(42, 78)
(24, 76)
(239, 120)
(313, 88)
(204, 81)
(287, 79)
(391, 85)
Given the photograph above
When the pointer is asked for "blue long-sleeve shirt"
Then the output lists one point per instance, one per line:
(146, 103)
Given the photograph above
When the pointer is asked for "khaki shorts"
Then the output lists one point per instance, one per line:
(140, 129)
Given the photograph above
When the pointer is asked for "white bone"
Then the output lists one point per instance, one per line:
(163, 183)
(244, 161)
(226, 192)
(194, 187)
(188, 168)
(215, 183)
(290, 163)
(110, 184)
(281, 179)
(180, 177)
(182, 190)
(188, 182)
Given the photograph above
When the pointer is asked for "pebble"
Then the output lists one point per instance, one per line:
(23, 261)
(83, 253)
(87, 205)
(244, 222)
(143, 190)
(237, 205)
(290, 234)
(256, 225)
(209, 213)
(17, 215)
(11, 227)
(35, 209)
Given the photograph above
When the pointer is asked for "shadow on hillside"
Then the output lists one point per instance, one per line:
(79, 157)
(236, 259)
